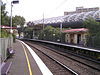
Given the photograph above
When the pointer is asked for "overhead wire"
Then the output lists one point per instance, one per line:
(61, 4)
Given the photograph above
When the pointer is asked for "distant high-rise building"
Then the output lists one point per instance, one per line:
(82, 9)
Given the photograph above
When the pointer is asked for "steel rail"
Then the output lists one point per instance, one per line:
(64, 66)
(73, 58)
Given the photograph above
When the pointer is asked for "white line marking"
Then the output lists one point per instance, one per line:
(42, 66)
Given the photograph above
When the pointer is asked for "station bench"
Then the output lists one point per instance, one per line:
(7, 64)
(5, 68)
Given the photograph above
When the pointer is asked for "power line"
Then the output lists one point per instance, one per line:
(62, 3)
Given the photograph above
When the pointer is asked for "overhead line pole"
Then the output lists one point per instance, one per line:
(61, 31)
(43, 21)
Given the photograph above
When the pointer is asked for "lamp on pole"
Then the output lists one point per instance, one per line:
(13, 2)
(11, 31)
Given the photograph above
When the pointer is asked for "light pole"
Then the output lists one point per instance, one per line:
(11, 31)
(13, 2)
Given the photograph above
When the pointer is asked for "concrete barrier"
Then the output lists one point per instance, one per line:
(4, 44)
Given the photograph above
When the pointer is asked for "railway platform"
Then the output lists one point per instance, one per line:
(26, 62)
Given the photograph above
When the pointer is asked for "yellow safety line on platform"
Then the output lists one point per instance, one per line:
(28, 63)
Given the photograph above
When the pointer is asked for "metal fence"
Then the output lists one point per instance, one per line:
(4, 44)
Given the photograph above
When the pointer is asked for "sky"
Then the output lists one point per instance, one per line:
(34, 9)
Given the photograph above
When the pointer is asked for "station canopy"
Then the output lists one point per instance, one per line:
(76, 17)
(75, 30)
(7, 27)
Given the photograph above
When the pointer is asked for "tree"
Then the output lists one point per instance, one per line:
(50, 33)
(94, 31)
(18, 20)
(5, 19)
(28, 32)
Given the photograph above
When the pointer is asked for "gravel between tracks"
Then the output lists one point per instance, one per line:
(76, 66)
(55, 68)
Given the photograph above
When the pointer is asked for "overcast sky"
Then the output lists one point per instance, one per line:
(33, 9)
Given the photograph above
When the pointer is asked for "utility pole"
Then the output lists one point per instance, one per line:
(61, 32)
(60, 27)
(43, 21)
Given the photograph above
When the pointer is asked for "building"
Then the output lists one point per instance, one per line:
(82, 9)
(76, 36)
(8, 29)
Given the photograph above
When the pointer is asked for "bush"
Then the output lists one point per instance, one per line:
(4, 34)
(94, 32)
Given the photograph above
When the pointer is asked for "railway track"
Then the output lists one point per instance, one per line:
(63, 69)
(96, 66)
(64, 61)
(72, 72)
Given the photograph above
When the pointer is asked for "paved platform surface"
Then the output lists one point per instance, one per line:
(20, 64)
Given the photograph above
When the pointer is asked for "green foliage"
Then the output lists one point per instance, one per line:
(4, 34)
(28, 31)
(50, 33)
(92, 25)
(5, 20)
(94, 31)
(18, 20)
